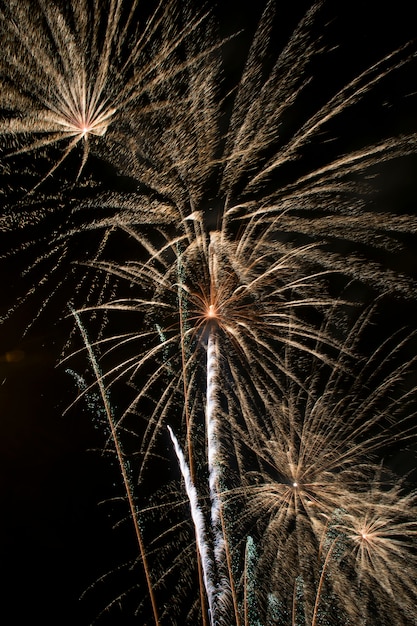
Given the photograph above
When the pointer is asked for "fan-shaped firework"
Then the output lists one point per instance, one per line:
(72, 70)
(152, 84)
(317, 451)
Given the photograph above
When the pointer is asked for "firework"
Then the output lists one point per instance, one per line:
(91, 78)
(210, 309)
(260, 171)
(151, 87)
(204, 271)
(318, 451)
(71, 71)
(187, 289)
(198, 520)
(379, 536)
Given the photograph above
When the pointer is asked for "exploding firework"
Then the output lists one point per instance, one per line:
(318, 451)
(144, 93)
(73, 71)
(196, 287)
(379, 534)
(202, 289)
(93, 78)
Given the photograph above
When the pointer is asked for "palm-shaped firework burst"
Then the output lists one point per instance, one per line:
(238, 292)
(205, 298)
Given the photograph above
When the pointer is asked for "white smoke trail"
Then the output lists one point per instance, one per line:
(199, 526)
(224, 596)
(212, 442)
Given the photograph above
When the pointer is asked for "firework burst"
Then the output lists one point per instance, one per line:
(205, 295)
(70, 71)
(146, 93)
(311, 502)
(240, 292)
(91, 77)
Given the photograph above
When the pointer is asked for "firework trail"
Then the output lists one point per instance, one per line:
(226, 597)
(212, 446)
(123, 466)
(199, 526)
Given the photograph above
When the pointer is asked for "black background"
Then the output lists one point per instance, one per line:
(56, 539)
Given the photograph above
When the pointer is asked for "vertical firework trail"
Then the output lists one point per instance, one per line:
(122, 465)
(225, 596)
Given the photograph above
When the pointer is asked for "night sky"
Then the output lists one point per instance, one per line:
(57, 527)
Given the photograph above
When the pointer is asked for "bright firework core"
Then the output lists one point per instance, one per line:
(81, 118)
(90, 125)
(211, 312)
